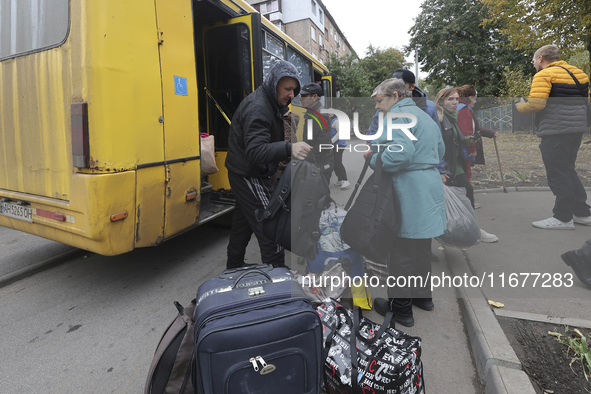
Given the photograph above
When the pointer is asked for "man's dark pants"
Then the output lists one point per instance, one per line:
(559, 153)
(251, 194)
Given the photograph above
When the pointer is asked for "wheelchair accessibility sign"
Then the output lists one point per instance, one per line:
(180, 86)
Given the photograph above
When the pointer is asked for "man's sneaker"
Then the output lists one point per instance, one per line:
(554, 224)
(581, 267)
(487, 237)
(476, 205)
(586, 220)
(338, 183)
(345, 185)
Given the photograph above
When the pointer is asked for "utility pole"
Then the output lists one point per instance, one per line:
(417, 66)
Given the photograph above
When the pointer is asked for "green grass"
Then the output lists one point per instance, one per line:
(578, 345)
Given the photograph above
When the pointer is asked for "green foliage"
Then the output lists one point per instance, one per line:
(580, 59)
(358, 78)
(457, 49)
(379, 64)
(431, 88)
(515, 83)
(530, 24)
(349, 77)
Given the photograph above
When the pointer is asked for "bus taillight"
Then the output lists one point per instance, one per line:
(80, 154)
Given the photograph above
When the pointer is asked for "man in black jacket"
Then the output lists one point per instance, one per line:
(256, 144)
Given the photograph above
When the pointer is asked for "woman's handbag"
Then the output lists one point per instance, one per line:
(363, 357)
(374, 219)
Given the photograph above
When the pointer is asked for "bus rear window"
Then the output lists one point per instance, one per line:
(32, 25)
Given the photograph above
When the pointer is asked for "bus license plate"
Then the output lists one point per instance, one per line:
(16, 211)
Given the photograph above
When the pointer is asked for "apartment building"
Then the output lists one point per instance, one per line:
(307, 22)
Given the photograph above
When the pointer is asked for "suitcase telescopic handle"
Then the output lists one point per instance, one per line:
(250, 272)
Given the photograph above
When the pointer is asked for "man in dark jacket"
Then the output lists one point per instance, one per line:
(320, 137)
(559, 97)
(256, 144)
(418, 96)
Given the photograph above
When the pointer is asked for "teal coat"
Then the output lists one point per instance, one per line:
(412, 165)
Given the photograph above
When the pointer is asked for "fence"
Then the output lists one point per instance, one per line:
(505, 119)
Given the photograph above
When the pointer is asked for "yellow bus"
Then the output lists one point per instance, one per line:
(102, 106)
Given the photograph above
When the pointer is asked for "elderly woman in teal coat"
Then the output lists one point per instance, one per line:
(411, 152)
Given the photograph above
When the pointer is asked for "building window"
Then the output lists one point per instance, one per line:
(313, 32)
(315, 56)
(313, 7)
(320, 39)
(331, 31)
(320, 15)
(269, 6)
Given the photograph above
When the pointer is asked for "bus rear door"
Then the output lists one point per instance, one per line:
(233, 70)
(180, 119)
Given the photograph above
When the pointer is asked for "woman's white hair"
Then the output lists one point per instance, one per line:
(391, 85)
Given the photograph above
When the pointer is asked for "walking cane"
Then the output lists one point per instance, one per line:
(500, 168)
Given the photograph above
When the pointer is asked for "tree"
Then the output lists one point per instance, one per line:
(379, 64)
(348, 76)
(530, 24)
(516, 83)
(457, 49)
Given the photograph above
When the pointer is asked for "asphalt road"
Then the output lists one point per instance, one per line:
(90, 324)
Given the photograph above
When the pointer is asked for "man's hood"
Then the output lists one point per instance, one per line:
(281, 69)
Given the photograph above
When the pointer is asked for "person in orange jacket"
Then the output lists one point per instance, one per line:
(559, 97)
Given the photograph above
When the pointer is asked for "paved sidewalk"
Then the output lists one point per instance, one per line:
(509, 269)
(464, 348)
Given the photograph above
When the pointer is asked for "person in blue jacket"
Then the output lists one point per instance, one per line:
(411, 158)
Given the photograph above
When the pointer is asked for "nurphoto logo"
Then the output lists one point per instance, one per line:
(345, 127)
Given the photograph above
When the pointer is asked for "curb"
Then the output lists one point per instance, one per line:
(14, 276)
(497, 365)
(518, 189)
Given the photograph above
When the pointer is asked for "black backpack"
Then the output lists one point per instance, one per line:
(374, 220)
(292, 217)
(170, 371)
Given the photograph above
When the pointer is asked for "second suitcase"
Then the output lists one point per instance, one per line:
(256, 332)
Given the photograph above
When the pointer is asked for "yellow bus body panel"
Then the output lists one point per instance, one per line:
(90, 193)
(124, 92)
(35, 89)
(149, 214)
(121, 58)
(181, 127)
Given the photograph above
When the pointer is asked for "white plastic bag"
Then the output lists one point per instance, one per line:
(462, 229)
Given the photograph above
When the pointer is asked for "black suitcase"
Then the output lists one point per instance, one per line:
(256, 332)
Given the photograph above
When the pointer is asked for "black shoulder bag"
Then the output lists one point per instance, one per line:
(374, 219)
